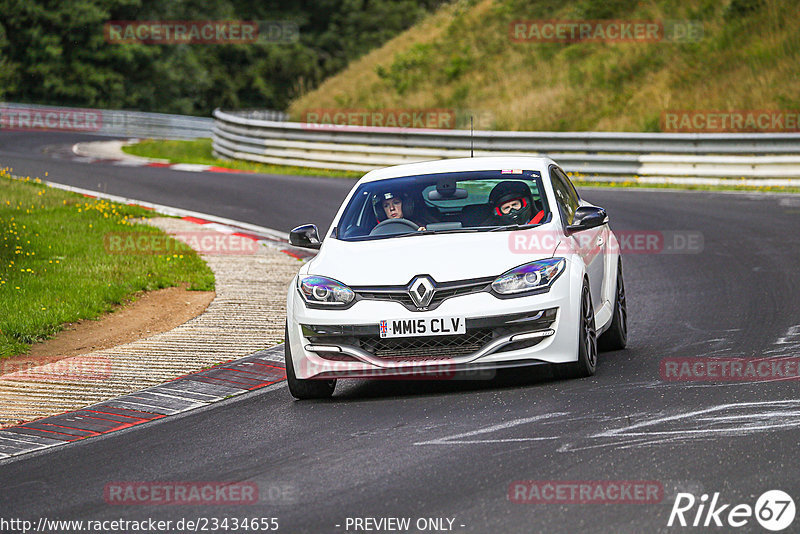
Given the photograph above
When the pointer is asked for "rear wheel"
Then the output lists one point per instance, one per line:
(616, 337)
(587, 341)
(304, 388)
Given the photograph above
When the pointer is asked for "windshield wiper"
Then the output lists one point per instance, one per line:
(514, 227)
(447, 231)
(507, 227)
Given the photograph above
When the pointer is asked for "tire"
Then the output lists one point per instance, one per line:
(587, 341)
(616, 337)
(304, 389)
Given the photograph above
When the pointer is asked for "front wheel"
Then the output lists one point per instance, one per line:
(616, 337)
(300, 388)
(587, 341)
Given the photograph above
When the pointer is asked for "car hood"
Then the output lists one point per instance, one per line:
(445, 257)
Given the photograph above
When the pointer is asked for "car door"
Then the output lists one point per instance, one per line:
(590, 244)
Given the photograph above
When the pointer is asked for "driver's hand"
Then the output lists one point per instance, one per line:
(421, 229)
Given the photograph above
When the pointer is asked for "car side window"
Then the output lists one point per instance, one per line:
(573, 193)
(566, 196)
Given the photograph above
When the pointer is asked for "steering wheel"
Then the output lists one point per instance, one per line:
(393, 226)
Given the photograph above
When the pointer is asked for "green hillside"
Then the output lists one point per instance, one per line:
(462, 57)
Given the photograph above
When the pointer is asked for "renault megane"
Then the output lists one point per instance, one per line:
(465, 264)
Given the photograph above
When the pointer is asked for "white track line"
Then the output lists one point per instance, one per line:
(169, 210)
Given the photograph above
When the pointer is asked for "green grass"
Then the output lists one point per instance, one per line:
(685, 187)
(56, 268)
(199, 151)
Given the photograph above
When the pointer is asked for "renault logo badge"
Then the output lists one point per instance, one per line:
(421, 291)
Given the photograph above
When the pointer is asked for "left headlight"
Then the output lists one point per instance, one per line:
(533, 276)
(319, 290)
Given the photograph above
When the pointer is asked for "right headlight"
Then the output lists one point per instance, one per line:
(532, 276)
(323, 291)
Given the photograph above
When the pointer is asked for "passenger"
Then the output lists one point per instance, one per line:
(512, 203)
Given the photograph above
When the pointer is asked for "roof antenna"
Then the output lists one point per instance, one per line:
(471, 140)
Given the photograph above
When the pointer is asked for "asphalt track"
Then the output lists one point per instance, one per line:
(452, 449)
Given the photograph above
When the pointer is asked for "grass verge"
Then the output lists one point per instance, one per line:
(634, 184)
(55, 267)
(199, 151)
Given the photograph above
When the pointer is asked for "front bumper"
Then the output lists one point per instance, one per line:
(484, 336)
(346, 343)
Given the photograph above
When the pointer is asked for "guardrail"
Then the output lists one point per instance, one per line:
(116, 123)
(245, 136)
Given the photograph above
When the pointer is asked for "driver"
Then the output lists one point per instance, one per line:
(390, 205)
(512, 203)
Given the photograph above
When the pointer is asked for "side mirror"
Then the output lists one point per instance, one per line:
(587, 217)
(305, 236)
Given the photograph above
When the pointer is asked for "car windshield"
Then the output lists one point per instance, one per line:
(471, 201)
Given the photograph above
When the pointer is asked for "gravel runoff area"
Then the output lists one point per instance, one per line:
(247, 315)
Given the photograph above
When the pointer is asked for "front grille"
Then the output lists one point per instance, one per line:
(458, 291)
(392, 296)
(444, 290)
(426, 348)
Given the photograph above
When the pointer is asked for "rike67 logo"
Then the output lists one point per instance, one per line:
(774, 510)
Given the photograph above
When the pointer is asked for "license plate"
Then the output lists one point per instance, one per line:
(429, 326)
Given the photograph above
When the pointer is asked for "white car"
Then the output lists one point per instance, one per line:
(455, 265)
